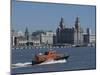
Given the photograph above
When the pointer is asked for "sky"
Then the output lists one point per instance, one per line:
(46, 16)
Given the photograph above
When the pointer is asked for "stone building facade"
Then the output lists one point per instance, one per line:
(69, 35)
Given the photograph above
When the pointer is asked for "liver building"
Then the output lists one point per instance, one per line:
(72, 35)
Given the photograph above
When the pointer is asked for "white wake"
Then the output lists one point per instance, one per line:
(27, 64)
(53, 62)
(18, 65)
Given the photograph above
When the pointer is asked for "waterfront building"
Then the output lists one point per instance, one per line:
(62, 36)
(78, 32)
(36, 40)
(21, 41)
(92, 39)
(54, 38)
(69, 35)
(14, 36)
(86, 36)
(46, 38)
(89, 38)
(85, 39)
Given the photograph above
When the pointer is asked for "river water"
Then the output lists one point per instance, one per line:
(80, 58)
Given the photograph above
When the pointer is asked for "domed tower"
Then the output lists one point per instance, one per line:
(78, 31)
(62, 26)
(60, 29)
(77, 24)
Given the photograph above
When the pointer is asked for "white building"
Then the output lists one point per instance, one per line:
(13, 35)
(20, 33)
(92, 39)
(21, 41)
(46, 38)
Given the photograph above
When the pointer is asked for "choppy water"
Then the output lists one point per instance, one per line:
(81, 58)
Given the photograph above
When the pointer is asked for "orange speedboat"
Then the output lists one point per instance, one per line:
(48, 55)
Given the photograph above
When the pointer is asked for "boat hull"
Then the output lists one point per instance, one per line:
(63, 57)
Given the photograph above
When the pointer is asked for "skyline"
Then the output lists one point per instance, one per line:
(27, 14)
